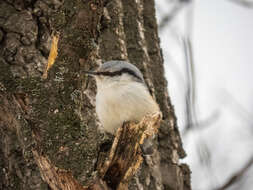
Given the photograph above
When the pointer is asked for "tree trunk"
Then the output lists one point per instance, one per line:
(47, 113)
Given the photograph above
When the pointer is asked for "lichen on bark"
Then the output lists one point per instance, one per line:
(57, 120)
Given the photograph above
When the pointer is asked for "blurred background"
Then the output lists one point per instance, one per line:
(208, 54)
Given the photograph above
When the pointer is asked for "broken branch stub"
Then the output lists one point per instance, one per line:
(125, 155)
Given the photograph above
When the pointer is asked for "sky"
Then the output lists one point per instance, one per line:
(222, 40)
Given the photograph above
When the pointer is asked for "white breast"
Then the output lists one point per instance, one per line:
(123, 101)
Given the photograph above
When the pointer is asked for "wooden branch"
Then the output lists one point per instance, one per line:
(124, 160)
(125, 155)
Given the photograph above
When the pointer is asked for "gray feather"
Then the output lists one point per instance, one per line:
(113, 66)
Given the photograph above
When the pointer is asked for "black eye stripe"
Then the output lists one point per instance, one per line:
(118, 73)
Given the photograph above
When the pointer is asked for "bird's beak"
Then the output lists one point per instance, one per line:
(91, 73)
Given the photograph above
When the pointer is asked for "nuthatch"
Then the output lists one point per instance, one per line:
(122, 95)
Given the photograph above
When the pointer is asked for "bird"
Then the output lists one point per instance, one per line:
(122, 95)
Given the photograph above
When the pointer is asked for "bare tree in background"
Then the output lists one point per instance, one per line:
(47, 115)
(244, 3)
(188, 83)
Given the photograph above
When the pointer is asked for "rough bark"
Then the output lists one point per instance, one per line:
(138, 29)
(53, 120)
